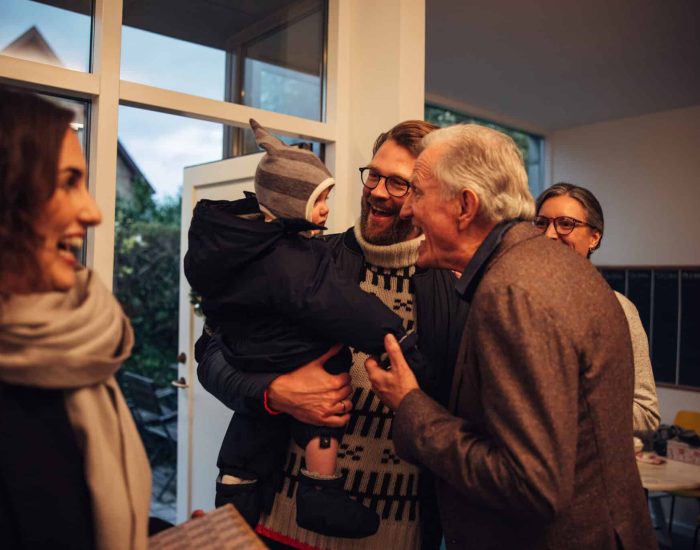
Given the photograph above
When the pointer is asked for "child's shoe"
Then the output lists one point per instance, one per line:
(324, 507)
(244, 494)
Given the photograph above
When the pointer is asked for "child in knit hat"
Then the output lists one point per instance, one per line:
(274, 301)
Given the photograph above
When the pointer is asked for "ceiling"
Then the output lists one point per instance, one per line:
(266, 28)
(554, 64)
(208, 22)
(540, 65)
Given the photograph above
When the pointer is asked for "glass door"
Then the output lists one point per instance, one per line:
(152, 152)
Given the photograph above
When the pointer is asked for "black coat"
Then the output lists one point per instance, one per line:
(275, 298)
(44, 499)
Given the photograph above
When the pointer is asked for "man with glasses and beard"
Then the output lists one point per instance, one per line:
(379, 252)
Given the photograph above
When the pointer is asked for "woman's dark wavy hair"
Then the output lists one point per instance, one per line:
(32, 130)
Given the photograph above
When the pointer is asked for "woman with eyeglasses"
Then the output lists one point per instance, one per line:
(73, 470)
(573, 216)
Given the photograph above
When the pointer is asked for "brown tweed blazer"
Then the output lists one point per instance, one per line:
(536, 449)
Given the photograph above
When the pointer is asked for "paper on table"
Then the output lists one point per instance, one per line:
(650, 458)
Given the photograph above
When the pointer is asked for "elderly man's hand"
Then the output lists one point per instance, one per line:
(391, 385)
(312, 395)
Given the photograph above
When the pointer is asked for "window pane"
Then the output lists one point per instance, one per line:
(664, 340)
(639, 292)
(283, 70)
(153, 150)
(265, 54)
(56, 32)
(690, 328)
(615, 278)
(172, 63)
(530, 145)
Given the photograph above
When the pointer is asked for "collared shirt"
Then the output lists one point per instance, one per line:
(471, 277)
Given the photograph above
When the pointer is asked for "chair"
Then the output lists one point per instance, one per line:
(688, 420)
(156, 422)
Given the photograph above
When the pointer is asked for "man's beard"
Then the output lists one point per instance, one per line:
(397, 232)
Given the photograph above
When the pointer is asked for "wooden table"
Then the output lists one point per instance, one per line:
(672, 475)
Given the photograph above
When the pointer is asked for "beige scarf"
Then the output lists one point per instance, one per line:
(76, 341)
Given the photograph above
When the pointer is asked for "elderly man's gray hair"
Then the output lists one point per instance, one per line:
(489, 163)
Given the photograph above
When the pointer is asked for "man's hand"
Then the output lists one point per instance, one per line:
(391, 385)
(312, 395)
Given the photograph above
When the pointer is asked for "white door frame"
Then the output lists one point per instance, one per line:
(226, 179)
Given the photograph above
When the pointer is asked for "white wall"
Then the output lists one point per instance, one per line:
(376, 79)
(671, 401)
(646, 173)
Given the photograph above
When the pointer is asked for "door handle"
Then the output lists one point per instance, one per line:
(180, 383)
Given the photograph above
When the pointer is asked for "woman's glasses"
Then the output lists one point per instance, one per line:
(563, 225)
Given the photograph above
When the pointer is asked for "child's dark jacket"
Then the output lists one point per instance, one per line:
(275, 298)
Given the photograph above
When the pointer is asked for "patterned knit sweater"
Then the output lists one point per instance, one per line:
(375, 474)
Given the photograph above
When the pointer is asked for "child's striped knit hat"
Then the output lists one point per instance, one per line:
(288, 180)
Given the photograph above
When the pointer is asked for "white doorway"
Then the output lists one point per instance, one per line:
(203, 420)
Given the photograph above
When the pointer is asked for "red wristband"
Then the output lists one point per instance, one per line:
(269, 409)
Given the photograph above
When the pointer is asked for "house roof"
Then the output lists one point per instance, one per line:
(130, 164)
(33, 46)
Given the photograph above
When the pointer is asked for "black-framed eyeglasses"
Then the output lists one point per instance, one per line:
(395, 186)
(563, 225)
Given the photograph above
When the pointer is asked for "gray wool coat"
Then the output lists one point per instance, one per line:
(535, 450)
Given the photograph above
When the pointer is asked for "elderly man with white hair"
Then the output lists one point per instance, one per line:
(533, 450)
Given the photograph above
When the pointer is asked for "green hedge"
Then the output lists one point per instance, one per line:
(146, 278)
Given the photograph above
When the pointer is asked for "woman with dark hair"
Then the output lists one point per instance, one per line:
(572, 215)
(73, 471)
